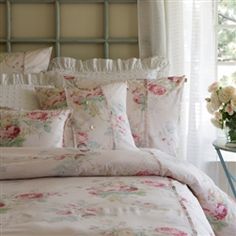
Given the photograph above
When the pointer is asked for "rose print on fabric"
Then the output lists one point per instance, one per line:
(137, 139)
(29, 196)
(139, 94)
(115, 190)
(36, 196)
(3, 207)
(51, 98)
(17, 127)
(156, 89)
(99, 117)
(10, 132)
(156, 184)
(220, 211)
(176, 79)
(171, 231)
(38, 115)
(217, 215)
(89, 101)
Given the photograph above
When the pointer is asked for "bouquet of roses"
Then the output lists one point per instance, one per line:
(222, 104)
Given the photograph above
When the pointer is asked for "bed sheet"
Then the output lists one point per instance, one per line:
(113, 193)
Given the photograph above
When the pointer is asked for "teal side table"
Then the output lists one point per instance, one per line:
(220, 146)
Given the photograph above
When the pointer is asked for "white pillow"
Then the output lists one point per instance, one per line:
(18, 97)
(97, 68)
(25, 62)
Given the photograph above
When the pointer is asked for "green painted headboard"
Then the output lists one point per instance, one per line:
(79, 28)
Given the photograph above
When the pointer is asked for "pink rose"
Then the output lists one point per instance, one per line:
(82, 137)
(128, 188)
(171, 231)
(69, 77)
(97, 92)
(139, 98)
(65, 212)
(29, 196)
(144, 173)
(79, 100)
(11, 132)
(220, 211)
(156, 89)
(154, 183)
(175, 79)
(38, 115)
(137, 138)
(120, 119)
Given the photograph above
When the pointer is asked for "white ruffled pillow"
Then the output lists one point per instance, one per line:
(25, 62)
(32, 128)
(97, 68)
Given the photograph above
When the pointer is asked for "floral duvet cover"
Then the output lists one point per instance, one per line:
(112, 193)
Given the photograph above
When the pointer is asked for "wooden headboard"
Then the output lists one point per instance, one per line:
(78, 28)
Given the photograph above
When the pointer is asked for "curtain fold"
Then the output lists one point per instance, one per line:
(184, 32)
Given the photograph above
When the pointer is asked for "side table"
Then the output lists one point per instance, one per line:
(220, 146)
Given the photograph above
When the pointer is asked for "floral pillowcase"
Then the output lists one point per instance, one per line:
(51, 98)
(32, 128)
(154, 109)
(99, 116)
(55, 98)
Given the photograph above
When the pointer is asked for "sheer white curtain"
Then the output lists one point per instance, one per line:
(184, 32)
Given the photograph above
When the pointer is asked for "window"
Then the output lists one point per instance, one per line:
(226, 33)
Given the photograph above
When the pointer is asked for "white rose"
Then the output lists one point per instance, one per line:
(233, 102)
(209, 108)
(218, 116)
(215, 102)
(216, 123)
(225, 94)
(213, 87)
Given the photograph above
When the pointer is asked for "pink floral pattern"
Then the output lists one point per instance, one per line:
(32, 128)
(51, 98)
(99, 117)
(156, 89)
(116, 204)
(153, 109)
(171, 231)
(219, 212)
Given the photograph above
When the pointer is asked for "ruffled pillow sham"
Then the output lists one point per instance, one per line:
(97, 68)
(99, 117)
(25, 62)
(32, 128)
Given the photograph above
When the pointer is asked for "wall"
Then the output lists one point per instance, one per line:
(77, 20)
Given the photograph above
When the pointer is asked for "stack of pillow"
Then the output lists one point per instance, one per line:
(93, 104)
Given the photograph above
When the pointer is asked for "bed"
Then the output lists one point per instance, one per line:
(88, 147)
